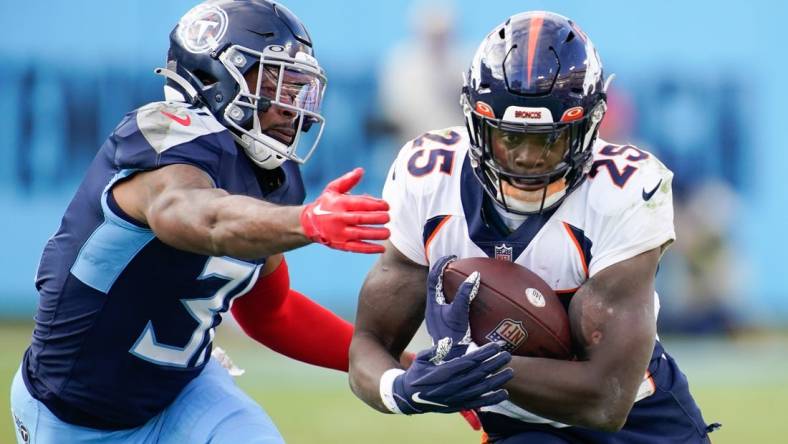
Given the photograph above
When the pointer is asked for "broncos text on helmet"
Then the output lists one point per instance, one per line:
(251, 64)
(533, 100)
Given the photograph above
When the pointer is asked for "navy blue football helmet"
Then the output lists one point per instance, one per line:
(533, 100)
(220, 47)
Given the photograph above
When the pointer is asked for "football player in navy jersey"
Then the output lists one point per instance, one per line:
(527, 180)
(184, 214)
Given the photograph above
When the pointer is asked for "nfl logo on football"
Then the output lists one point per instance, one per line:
(511, 332)
(503, 253)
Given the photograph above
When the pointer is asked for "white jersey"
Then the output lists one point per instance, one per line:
(622, 209)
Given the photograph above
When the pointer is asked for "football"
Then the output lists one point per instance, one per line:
(513, 305)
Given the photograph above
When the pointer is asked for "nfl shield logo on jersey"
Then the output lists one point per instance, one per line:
(503, 253)
(511, 332)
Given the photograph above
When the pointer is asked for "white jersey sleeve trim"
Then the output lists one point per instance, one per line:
(400, 241)
(628, 253)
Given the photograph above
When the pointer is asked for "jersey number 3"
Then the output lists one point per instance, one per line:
(204, 311)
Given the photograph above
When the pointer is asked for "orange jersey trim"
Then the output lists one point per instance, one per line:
(578, 247)
(432, 236)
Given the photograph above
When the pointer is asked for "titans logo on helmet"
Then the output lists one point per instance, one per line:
(202, 28)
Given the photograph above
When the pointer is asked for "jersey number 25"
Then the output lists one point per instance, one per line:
(619, 177)
(440, 157)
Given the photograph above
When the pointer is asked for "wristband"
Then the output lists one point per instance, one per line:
(387, 389)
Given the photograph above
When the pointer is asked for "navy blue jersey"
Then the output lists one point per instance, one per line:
(668, 415)
(125, 321)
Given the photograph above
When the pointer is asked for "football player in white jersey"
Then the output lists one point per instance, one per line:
(527, 180)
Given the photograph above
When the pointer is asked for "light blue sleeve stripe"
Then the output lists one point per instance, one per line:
(108, 214)
(111, 246)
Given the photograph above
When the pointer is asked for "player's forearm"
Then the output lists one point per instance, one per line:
(613, 323)
(390, 309)
(210, 221)
(251, 228)
(368, 361)
(573, 392)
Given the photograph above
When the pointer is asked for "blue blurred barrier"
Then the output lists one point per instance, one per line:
(703, 81)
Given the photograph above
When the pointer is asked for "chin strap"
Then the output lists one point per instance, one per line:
(263, 156)
(189, 94)
(192, 96)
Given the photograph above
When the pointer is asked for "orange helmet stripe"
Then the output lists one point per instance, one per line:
(533, 38)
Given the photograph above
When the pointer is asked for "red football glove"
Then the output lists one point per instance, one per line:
(337, 220)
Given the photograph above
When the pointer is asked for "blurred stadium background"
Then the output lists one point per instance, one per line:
(698, 83)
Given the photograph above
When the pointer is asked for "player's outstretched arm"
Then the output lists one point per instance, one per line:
(614, 326)
(441, 379)
(390, 310)
(182, 207)
(290, 323)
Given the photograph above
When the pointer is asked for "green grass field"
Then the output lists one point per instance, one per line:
(742, 384)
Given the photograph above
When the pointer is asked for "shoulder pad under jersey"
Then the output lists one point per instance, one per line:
(168, 124)
(624, 176)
